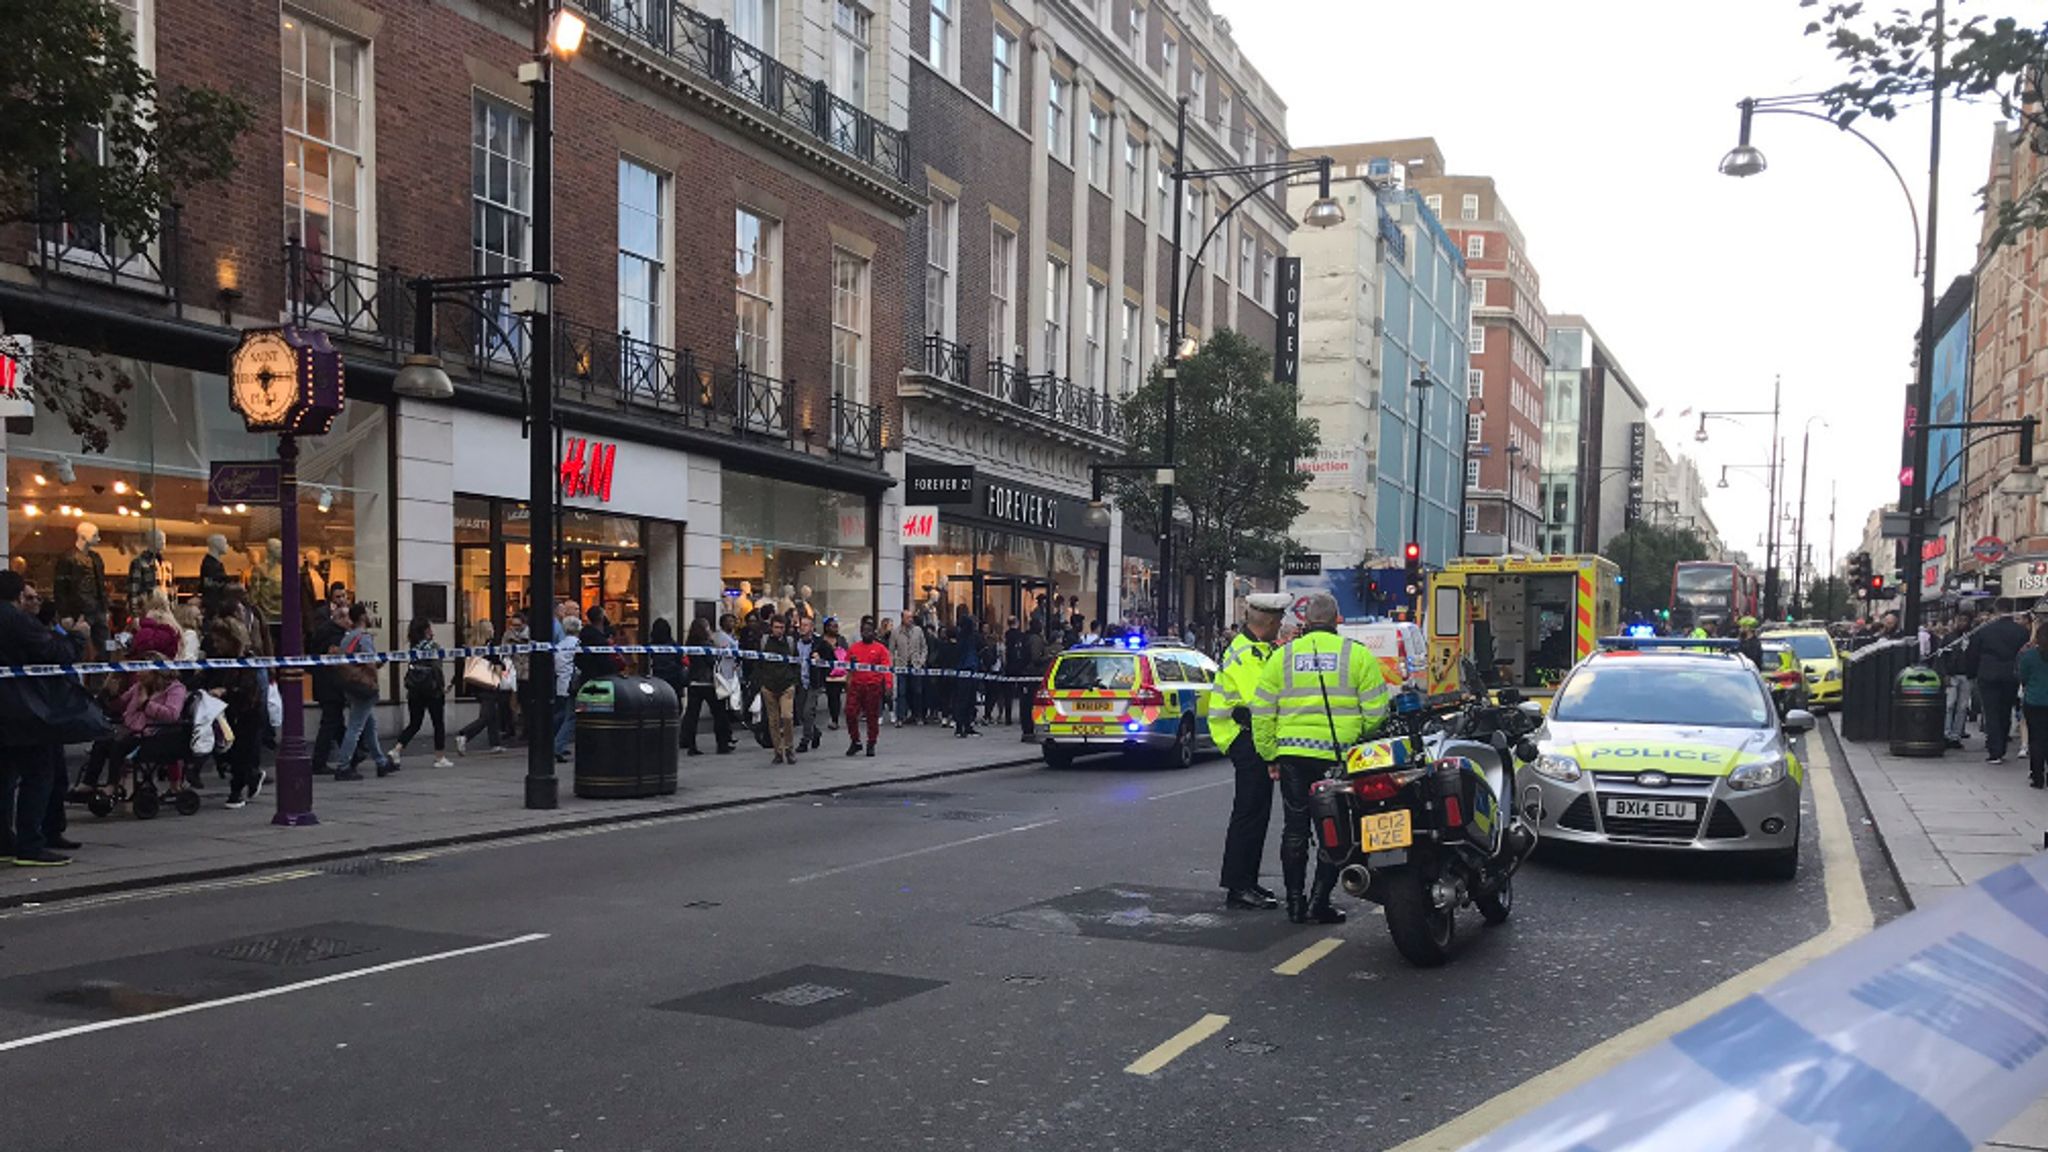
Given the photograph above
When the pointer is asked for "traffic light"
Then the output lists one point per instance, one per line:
(1413, 554)
(1875, 586)
(1859, 572)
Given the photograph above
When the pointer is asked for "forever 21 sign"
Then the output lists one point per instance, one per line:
(1020, 506)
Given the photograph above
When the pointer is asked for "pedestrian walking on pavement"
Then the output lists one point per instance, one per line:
(1996, 659)
(1230, 716)
(1952, 659)
(968, 659)
(32, 752)
(777, 674)
(2033, 676)
(324, 639)
(1036, 659)
(243, 691)
(493, 704)
(513, 725)
(813, 655)
(907, 650)
(361, 698)
(571, 628)
(704, 689)
(1317, 697)
(834, 654)
(426, 691)
(668, 667)
(866, 688)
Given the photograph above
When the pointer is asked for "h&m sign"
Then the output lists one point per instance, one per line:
(1287, 326)
(587, 468)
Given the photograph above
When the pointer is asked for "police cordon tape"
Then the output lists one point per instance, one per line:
(329, 660)
(1929, 1034)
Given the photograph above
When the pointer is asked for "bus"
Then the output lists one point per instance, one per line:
(1707, 592)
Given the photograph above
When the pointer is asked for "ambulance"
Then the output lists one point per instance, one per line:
(1527, 620)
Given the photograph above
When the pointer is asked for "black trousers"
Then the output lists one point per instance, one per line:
(32, 776)
(963, 706)
(491, 718)
(333, 723)
(1999, 698)
(2037, 741)
(1296, 836)
(421, 708)
(246, 757)
(1251, 810)
(706, 696)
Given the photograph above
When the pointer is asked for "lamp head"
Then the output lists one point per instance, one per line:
(1325, 212)
(565, 34)
(423, 377)
(1743, 159)
(1098, 514)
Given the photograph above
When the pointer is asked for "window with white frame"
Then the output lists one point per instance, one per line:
(1127, 376)
(1247, 259)
(1475, 383)
(643, 249)
(1226, 109)
(849, 326)
(88, 241)
(757, 292)
(849, 71)
(754, 22)
(1098, 146)
(1475, 340)
(1169, 60)
(1249, 149)
(939, 44)
(1134, 184)
(1165, 185)
(1468, 207)
(1002, 89)
(1266, 272)
(1435, 204)
(326, 140)
(1191, 231)
(1135, 34)
(1002, 293)
(1478, 292)
(1471, 517)
(1059, 135)
(1475, 428)
(1198, 91)
(1096, 371)
(1160, 336)
(1475, 246)
(941, 244)
(501, 208)
(1058, 289)
(1471, 473)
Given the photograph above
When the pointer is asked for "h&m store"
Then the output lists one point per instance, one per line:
(996, 545)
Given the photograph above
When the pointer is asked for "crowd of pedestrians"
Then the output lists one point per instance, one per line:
(1996, 669)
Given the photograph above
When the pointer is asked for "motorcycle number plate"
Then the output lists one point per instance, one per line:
(1381, 831)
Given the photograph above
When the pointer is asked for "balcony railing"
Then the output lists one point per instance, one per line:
(856, 429)
(92, 251)
(708, 48)
(347, 297)
(947, 360)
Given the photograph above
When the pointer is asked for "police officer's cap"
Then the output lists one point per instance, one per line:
(1273, 602)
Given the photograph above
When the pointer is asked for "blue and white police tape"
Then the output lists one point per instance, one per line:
(407, 656)
(1930, 1034)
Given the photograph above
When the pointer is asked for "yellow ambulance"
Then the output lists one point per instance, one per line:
(1526, 619)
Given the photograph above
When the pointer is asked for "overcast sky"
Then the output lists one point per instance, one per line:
(1602, 122)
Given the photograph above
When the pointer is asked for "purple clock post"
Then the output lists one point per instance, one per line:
(289, 382)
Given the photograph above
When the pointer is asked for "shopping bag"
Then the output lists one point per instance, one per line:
(478, 673)
(275, 704)
(206, 708)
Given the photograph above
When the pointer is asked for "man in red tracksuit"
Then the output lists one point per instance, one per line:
(864, 689)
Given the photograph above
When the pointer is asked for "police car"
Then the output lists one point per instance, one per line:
(1146, 701)
(1669, 747)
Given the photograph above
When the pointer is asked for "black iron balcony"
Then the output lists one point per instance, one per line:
(856, 429)
(91, 251)
(617, 368)
(708, 48)
(947, 360)
(346, 297)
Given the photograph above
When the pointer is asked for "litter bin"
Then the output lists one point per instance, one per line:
(627, 731)
(1869, 679)
(1919, 707)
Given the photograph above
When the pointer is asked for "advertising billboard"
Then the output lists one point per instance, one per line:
(1951, 405)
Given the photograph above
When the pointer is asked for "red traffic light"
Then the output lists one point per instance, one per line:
(1414, 550)
(1877, 583)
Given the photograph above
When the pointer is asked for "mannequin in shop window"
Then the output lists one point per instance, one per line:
(745, 603)
(266, 586)
(81, 584)
(802, 607)
(785, 600)
(213, 576)
(147, 571)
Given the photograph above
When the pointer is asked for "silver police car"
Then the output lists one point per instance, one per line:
(1655, 745)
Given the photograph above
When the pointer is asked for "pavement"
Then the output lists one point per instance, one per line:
(481, 797)
(1946, 822)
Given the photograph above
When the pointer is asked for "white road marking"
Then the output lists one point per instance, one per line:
(1849, 917)
(265, 994)
(1196, 788)
(879, 861)
(1178, 1044)
(1300, 961)
(61, 903)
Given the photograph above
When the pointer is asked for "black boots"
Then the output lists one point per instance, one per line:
(1249, 898)
(1314, 910)
(1297, 908)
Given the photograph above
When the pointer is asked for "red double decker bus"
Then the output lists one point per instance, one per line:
(1707, 592)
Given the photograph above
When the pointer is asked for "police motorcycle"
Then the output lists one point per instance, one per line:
(1413, 818)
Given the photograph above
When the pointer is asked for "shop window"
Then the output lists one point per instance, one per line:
(781, 537)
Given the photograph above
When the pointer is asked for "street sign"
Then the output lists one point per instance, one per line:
(1301, 564)
(231, 482)
(1988, 549)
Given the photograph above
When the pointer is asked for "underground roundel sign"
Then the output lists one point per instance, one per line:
(1988, 549)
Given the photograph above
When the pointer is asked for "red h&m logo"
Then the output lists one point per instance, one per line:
(587, 468)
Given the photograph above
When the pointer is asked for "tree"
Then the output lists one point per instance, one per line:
(88, 138)
(1646, 553)
(1237, 439)
(1828, 599)
(1890, 62)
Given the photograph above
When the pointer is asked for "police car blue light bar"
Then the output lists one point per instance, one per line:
(1667, 643)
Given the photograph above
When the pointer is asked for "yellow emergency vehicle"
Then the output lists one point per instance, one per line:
(1527, 619)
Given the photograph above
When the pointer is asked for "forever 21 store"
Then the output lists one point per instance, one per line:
(998, 544)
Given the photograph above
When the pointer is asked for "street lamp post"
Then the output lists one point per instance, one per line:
(1771, 583)
(1799, 533)
(1421, 384)
(1325, 212)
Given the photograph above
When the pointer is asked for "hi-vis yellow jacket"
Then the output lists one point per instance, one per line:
(1319, 695)
(1237, 683)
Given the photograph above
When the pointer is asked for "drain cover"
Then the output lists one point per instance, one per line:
(701, 904)
(803, 995)
(290, 951)
(962, 814)
(1253, 1047)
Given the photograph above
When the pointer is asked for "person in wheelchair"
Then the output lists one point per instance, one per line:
(153, 698)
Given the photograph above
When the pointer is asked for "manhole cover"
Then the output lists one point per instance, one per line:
(965, 816)
(1253, 1047)
(1144, 913)
(803, 995)
(888, 798)
(290, 951)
